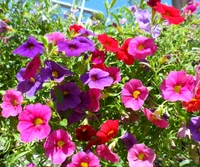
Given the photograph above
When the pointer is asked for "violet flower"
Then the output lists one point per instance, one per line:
(83, 105)
(85, 32)
(128, 140)
(87, 42)
(194, 127)
(4, 27)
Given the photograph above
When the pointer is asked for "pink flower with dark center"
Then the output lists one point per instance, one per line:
(98, 57)
(134, 94)
(141, 156)
(178, 86)
(58, 146)
(95, 95)
(55, 37)
(83, 159)
(11, 103)
(33, 122)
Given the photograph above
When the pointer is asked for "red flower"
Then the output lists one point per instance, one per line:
(101, 66)
(123, 54)
(85, 132)
(32, 68)
(109, 43)
(94, 95)
(170, 13)
(75, 27)
(152, 3)
(108, 130)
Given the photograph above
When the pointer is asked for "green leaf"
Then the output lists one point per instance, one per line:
(58, 94)
(106, 6)
(116, 18)
(112, 3)
(64, 122)
(16, 157)
(44, 41)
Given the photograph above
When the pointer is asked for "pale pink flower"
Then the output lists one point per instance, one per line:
(141, 156)
(33, 122)
(83, 159)
(104, 152)
(55, 37)
(11, 103)
(134, 94)
(183, 132)
(178, 86)
(123, 21)
(58, 146)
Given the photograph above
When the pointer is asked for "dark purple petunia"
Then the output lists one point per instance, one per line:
(83, 105)
(70, 93)
(72, 48)
(54, 71)
(194, 127)
(28, 86)
(97, 78)
(128, 140)
(87, 42)
(30, 48)
(85, 32)
(75, 117)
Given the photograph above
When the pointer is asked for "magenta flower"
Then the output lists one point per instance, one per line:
(58, 146)
(104, 152)
(55, 37)
(98, 57)
(11, 105)
(155, 118)
(114, 73)
(33, 122)
(178, 86)
(140, 47)
(141, 156)
(95, 95)
(97, 78)
(30, 165)
(83, 159)
(30, 48)
(129, 140)
(134, 94)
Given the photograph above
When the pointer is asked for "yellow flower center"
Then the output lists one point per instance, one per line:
(140, 47)
(141, 156)
(38, 121)
(55, 74)
(136, 94)
(84, 164)
(111, 132)
(60, 143)
(32, 80)
(154, 117)
(84, 129)
(177, 88)
(14, 103)
(65, 92)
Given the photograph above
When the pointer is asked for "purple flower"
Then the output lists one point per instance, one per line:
(28, 86)
(97, 78)
(132, 8)
(70, 93)
(54, 71)
(155, 31)
(4, 27)
(72, 48)
(75, 117)
(128, 140)
(194, 127)
(88, 43)
(83, 105)
(30, 48)
(86, 33)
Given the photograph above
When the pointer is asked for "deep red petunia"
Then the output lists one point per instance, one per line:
(123, 54)
(101, 66)
(110, 44)
(108, 130)
(169, 13)
(85, 133)
(152, 3)
(32, 68)
(75, 28)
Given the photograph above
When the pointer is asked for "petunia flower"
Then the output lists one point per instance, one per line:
(141, 156)
(85, 133)
(153, 3)
(11, 105)
(75, 117)
(110, 44)
(55, 37)
(84, 32)
(54, 71)
(129, 140)
(30, 165)
(98, 57)
(104, 152)
(170, 13)
(76, 28)
(155, 118)
(89, 44)
(183, 132)
(83, 105)
(177, 86)
(108, 130)
(33, 122)
(134, 94)
(140, 47)
(58, 146)
(83, 159)
(4, 27)
(100, 66)
(114, 72)
(30, 48)
(97, 78)
(70, 93)
(95, 95)
(194, 127)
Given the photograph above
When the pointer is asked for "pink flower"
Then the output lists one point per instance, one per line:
(140, 47)
(155, 118)
(141, 156)
(178, 86)
(134, 94)
(114, 72)
(183, 132)
(55, 37)
(190, 9)
(98, 57)
(30, 165)
(33, 122)
(104, 152)
(11, 103)
(94, 104)
(82, 159)
(58, 146)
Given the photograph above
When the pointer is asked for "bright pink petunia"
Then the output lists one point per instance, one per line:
(83, 159)
(140, 47)
(155, 118)
(30, 165)
(98, 57)
(114, 72)
(55, 37)
(94, 104)
(104, 152)
(58, 146)
(141, 156)
(178, 86)
(33, 122)
(11, 105)
(134, 94)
